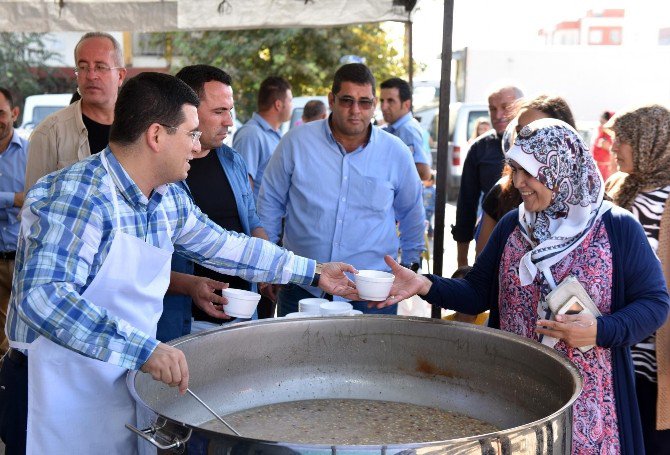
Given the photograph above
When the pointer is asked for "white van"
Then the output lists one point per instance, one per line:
(462, 118)
(298, 106)
(38, 107)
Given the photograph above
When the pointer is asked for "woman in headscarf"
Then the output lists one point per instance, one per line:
(642, 148)
(564, 228)
(503, 197)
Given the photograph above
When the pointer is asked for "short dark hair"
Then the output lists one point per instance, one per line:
(553, 106)
(8, 96)
(149, 98)
(353, 72)
(404, 90)
(195, 76)
(313, 109)
(273, 88)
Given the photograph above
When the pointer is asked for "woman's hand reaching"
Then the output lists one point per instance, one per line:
(405, 285)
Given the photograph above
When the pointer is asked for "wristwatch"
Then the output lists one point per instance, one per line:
(414, 266)
(317, 274)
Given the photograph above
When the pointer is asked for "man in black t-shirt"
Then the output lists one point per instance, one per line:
(481, 170)
(82, 128)
(218, 183)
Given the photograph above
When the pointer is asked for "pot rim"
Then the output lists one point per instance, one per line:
(572, 369)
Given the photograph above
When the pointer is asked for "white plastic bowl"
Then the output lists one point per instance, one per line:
(336, 308)
(241, 303)
(301, 315)
(374, 285)
(312, 305)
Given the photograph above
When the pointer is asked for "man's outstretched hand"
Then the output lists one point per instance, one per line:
(335, 282)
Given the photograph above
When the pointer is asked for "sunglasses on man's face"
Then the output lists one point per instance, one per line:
(348, 102)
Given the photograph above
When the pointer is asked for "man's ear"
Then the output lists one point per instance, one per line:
(15, 113)
(122, 76)
(152, 136)
(278, 104)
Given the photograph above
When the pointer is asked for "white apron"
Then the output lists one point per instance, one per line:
(77, 404)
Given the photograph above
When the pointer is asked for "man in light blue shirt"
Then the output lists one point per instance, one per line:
(13, 157)
(341, 184)
(396, 104)
(258, 138)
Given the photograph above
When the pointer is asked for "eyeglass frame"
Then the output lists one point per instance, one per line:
(195, 135)
(98, 68)
(348, 102)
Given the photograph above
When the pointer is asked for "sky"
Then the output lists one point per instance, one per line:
(515, 23)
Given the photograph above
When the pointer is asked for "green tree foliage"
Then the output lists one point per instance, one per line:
(307, 58)
(22, 64)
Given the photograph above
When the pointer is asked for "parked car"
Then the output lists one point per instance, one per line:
(462, 118)
(37, 107)
(298, 106)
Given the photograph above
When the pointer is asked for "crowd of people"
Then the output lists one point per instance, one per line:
(126, 215)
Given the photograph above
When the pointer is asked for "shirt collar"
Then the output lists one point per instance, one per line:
(16, 139)
(16, 142)
(372, 136)
(263, 123)
(401, 121)
(126, 186)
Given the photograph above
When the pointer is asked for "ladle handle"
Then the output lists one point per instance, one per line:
(213, 412)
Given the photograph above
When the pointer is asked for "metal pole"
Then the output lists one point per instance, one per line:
(443, 145)
(410, 62)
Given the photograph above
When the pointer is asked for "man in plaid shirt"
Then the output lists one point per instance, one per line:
(92, 266)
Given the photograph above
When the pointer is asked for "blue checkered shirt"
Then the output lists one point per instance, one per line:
(67, 230)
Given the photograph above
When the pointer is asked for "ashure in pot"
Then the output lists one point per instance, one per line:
(515, 384)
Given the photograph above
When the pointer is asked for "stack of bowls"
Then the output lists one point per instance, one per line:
(336, 308)
(311, 305)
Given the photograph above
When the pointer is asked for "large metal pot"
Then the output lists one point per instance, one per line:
(514, 383)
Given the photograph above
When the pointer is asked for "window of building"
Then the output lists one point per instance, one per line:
(149, 44)
(595, 36)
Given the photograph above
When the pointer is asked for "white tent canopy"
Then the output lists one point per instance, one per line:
(169, 15)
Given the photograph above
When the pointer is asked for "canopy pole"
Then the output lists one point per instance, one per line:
(408, 51)
(442, 165)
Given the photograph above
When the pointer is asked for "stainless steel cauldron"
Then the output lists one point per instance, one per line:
(512, 382)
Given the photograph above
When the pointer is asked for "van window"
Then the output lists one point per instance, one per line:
(42, 112)
(296, 117)
(472, 119)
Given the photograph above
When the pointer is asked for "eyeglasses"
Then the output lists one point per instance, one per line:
(99, 68)
(348, 102)
(195, 135)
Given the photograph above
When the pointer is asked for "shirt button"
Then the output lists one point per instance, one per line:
(344, 199)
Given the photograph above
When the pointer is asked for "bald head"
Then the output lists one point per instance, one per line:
(501, 103)
(314, 110)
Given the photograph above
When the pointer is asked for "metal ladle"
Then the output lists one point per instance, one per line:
(213, 412)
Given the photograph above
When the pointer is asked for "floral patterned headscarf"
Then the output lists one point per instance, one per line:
(647, 131)
(555, 154)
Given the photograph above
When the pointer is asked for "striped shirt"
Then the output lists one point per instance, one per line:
(648, 209)
(67, 230)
